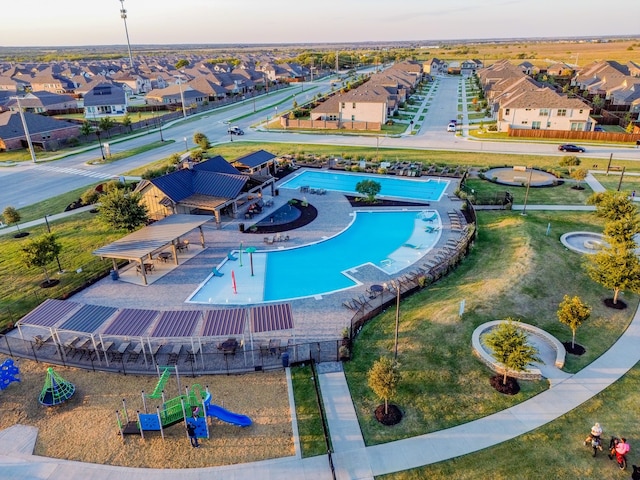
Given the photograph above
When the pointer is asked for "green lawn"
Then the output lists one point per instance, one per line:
(554, 450)
(79, 235)
(307, 412)
(558, 195)
(526, 278)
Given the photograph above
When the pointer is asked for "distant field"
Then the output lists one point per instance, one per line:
(541, 53)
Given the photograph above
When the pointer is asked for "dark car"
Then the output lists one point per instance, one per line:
(567, 147)
(235, 131)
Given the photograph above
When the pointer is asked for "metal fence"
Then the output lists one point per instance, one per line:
(210, 359)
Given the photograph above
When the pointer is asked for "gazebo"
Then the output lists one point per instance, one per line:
(147, 241)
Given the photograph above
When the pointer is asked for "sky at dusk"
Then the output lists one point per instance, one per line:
(98, 22)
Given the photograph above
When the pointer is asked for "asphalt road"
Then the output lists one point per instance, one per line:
(28, 183)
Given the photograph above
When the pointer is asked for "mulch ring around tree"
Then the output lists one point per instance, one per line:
(392, 417)
(308, 214)
(576, 349)
(49, 283)
(21, 235)
(620, 305)
(510, 388)
(380, 202)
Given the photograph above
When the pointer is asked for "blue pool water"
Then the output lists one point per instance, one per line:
(406, 188)
(389, 240)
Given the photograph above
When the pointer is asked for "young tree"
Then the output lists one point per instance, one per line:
(369, 188)
(126, 121)
(622, 232)
(11, 215)
(510, 347)
(612, 205)
(106, 124)
(383, 379)
(201, 140)
(182, 63)
(579, 174)
(86, 128)
(572, 312)
(120, 210)
(616, 268)
(41, 251)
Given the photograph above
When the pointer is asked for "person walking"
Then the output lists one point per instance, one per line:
(191, 431)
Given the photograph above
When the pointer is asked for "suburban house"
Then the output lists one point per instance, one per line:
(105, 100)
(256, 163)
(173, 95)
(435, 66)
(543, 109)
(40, 102)
(528, 68)
(357, 109)
(45, 132)
(470, 67)
(519, 102)
(210, 187)
(560, 69)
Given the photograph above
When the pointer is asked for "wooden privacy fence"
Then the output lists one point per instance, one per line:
(571, 135)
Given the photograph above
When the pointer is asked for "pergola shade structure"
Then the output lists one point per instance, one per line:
(147, 241)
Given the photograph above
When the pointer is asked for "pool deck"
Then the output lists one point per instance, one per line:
(316, 318)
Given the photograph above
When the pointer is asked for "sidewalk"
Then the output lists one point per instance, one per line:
(41, 221)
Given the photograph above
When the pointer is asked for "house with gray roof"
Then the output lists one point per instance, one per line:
(45, 132)
(105, 100)
(210, 187)
(42, 101)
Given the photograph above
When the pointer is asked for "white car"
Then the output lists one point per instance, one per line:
(451, 127)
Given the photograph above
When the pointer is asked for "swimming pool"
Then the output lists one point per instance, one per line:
(429, 190)
(390, 241)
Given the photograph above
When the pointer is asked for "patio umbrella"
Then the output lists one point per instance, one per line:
(250, 251)
(233, 281)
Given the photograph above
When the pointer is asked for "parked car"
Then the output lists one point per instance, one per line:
(598, 128)
(451, 127)
(567, 147)
(235, 130)
(454, 121)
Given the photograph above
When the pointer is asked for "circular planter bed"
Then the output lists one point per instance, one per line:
(49, 283)
(392, 417)
(21, 235)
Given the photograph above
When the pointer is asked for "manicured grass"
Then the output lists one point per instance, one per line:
(79, 235)
(444, 384)
(554, 450)
(130, 153)
(557, 195)
(611, 181)
(310, 430)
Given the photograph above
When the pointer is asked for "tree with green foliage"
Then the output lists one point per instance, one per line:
(383, 379)
(126, 121)
(598, 103)
(182, 63)
(622, 231)
(41, 251)
(11, 215)
(106, 124)
(369, 188)
(510, 347)
(86, 128)
(572, 312)
(579, 174)
(569, 161)
(201, 140)
(122, 211)
(617, 268)
(90, 196)
(612, 205)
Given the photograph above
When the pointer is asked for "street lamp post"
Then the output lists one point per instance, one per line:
(184, 110)
(526, 193)
(123, 15)
(100, 143)
(49, 231)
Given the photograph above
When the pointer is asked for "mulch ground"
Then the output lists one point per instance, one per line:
(511, 387)
(85, 428)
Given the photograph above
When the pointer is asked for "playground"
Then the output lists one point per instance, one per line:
(84, 428)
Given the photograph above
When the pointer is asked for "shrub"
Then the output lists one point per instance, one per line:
(90, 196)
(569, 161)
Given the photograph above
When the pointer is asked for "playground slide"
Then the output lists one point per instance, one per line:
(227, 416)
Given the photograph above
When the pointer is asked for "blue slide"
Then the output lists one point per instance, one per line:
(225, 415)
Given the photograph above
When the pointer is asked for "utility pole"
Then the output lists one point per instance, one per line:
(26, 131)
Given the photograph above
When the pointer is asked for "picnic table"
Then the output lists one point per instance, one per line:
(116, 355)
(175, 354)
(229, 346)
(191, 354)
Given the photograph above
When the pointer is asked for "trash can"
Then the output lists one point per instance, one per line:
(285, 359)
(277, 192)
(114, 275)
(241, 227)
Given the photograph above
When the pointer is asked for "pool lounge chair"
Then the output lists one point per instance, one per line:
(217, 273)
